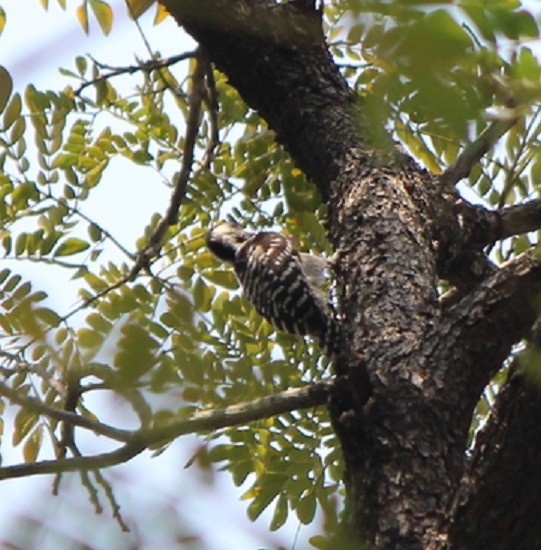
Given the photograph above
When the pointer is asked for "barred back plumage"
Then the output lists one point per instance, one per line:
(280, 282)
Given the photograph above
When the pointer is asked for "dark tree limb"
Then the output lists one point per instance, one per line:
(500, 497)
(507, 222)
(477, 334)
(480, 226)
(518, 219)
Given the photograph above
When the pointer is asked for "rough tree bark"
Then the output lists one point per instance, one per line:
(416, 365)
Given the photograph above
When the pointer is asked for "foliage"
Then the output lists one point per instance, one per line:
(176, 321)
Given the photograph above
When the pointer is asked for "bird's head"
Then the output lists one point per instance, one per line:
(224, 239)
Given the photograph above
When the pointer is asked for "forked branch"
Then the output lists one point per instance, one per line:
(503, 305)
(144, 66)
(138, 440)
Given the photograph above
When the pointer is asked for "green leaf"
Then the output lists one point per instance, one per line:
(32, 445)
(137, 352)
(136, 8)
(90, 339)
(48, 316)
(98, 323)
(70, 246)
(20, 244)
(355, 33)
(2, 22)
(104, 15)
(515, 24)
(25, 420)
(6, 82)
(306, 508)
(81, 64)
(4, 274)
(223, 278)
(82, 15)
(94, 232)
(12, 282)
(261, 501)
(319, 541)
(280, 513)
(17, 130)
(219, 453)
(202, 295)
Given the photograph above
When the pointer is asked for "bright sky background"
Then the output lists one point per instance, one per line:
(158, 497)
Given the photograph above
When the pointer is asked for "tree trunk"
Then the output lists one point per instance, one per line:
(416, 365)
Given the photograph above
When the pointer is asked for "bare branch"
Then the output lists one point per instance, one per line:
(516, 220)
(475, 151)
(211, 101)
(145, 66)
(64, 416)
(297, 398)
(481, 227)
(94, 462)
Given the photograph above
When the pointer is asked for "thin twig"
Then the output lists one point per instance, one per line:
(103, 460)
(514, 171)
(64, 416)
(475, 151)
(95, 297)
(145, 66)
(109, 494)
(195, 100)
(82, 215)
(211, 100)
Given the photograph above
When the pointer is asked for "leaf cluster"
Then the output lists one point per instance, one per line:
(179, 328)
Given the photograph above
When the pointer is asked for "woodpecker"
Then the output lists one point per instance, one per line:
(283, 284)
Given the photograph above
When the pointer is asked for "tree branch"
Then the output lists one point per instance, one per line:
(195, 101)
(137, 441)
(312, 395)
(64, 416)
(145, 66)
(500, 497)
(94, 462)
(475, 151)
(513, 220)
(503, 305)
